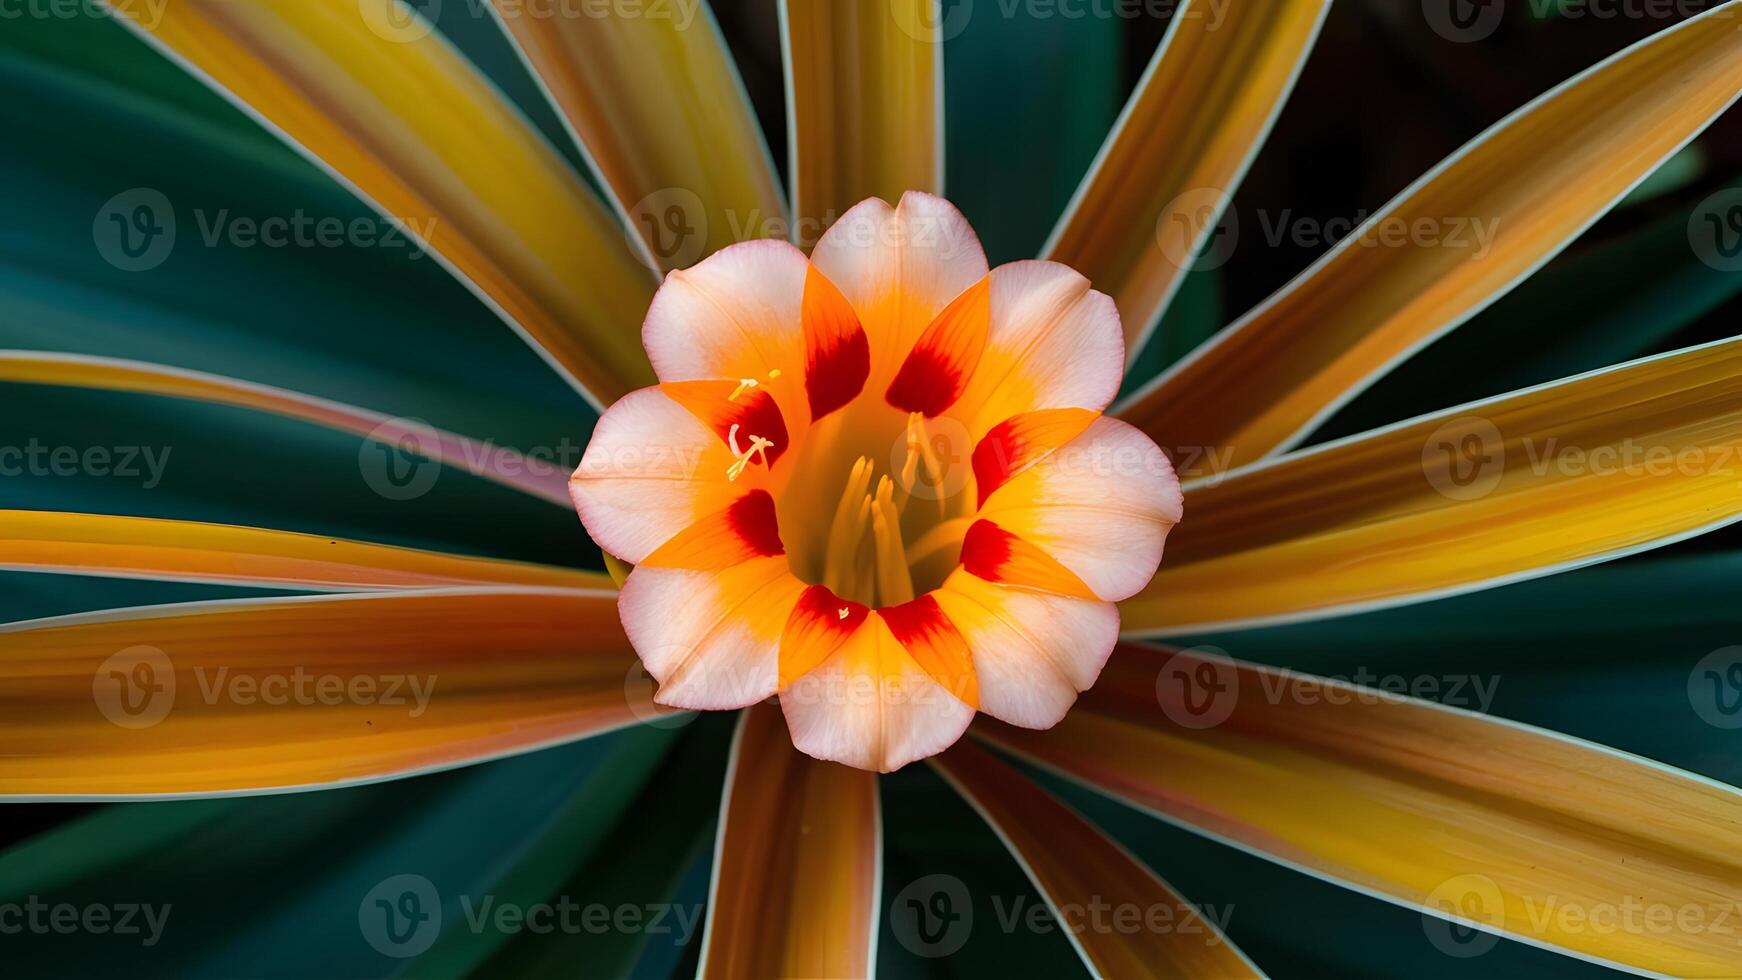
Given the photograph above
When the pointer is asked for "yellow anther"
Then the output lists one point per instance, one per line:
(774, 373)
(758, 445)
(743, 383)
(842, 612)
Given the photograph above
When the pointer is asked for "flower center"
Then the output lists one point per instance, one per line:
(878, 504)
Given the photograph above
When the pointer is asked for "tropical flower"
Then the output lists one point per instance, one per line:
(797, 494)
(775, 462)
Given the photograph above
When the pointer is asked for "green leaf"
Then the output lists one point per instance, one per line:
(658, 858)
(275, 886)
(372, 321)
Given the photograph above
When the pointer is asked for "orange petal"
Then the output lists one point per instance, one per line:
(1535, 180)
(735, 412)
(798, 866)
(1087, 878)
(1052, 343)
(935, 644)
(651, 471)
(188, 551)
(937, 370)
(820, 623)
(996, 555)
(710, 638)
(736, 315)
(303, 692)
(1032, 651)
(1101, 505)
(1512, 829)
(899, 267)
(374, 94)
(871, 706)
(745, 530)
(1022, 440)
(837, 355)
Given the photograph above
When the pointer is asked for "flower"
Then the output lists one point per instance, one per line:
(287, 640)
(878, 482)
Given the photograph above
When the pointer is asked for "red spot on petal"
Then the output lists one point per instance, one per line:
(937, 370)
(722, 404)
(744, 530)
(996, 555)
(1020, 441)
(815, 630)
(837, 356)
(752, 518)
(933, 641)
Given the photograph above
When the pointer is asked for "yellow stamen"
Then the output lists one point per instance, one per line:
(743, 383)
(758, 445)
(894, 585)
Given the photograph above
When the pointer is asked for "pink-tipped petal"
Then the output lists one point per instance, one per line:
(736, 314)
(1053, 343)
(1101, 504)
(710, 638)
(651, 470)
(871, 706)
(1033, 652)
(900, 267)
